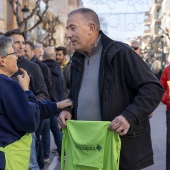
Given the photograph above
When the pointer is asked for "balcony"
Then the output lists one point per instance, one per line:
(147, 13)
(158, 4)
(157, 1)
(157, 37)
(146, 33)
(147, 22)
(158, 21)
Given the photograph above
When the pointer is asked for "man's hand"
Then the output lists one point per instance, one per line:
(64, 103)
(120, 125)
(24, 80)
(63, 116)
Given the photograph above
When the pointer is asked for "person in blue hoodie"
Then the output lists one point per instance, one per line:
(19, 111)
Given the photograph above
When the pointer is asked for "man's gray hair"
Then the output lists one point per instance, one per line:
(38, 46)
(89, 15)
(156, 66)
(49, 53)
(5, 42)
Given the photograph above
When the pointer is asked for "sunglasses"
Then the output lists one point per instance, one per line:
(135, 48)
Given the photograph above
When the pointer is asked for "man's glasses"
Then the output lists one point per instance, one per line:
(134, 48)
(14, 53)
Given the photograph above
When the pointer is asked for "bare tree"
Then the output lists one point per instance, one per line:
(52, 24)
(35, 11)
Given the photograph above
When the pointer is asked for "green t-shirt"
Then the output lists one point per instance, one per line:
(89, 145)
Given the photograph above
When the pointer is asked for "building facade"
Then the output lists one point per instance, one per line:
(156, 37)
(50, 31)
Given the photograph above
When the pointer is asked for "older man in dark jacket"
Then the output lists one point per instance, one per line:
(111, 75)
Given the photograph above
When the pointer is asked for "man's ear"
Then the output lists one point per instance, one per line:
(2, 62)
(92, 28)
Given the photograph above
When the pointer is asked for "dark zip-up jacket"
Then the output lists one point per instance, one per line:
(37, 84)
(45, 71)
(127, 87)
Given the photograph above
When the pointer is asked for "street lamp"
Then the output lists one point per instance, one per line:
(25, 11)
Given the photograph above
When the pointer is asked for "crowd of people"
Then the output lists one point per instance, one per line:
(106, 80)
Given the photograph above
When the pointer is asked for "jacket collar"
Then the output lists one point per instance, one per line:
(107, 44)
(21, 59)
(34, 59)
(110, 47)
(97, 45)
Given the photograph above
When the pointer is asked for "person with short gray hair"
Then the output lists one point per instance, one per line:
(110, 82)
(19, 111)
(134, 44)
(39, 51)
(89, 15)
(5, 42)
(49, 53)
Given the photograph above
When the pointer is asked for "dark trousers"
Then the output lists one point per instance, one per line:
(46, 138)
(39, 146)
(168, 141)
(56, 133)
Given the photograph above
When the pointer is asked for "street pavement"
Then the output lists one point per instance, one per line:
(158, 132)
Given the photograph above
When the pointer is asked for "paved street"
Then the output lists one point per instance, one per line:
(158, 129)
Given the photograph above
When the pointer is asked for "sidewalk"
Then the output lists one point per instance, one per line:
(54, 159)
(55, 164)
(158, 132)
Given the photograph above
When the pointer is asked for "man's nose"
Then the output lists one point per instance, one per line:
(20, 45)
(68, 34)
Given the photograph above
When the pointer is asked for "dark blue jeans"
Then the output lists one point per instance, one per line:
(168, 141)
(56, 133)
(46, 138)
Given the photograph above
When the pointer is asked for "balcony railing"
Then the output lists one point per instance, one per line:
(147, 22)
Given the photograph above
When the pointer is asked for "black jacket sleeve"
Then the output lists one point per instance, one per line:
(37, 83)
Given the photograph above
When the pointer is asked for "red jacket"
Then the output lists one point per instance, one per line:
(165, 81)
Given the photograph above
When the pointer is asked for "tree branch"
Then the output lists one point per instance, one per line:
(40, 20)
(37, 6)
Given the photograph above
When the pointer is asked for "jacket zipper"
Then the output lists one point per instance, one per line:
(76, 92)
